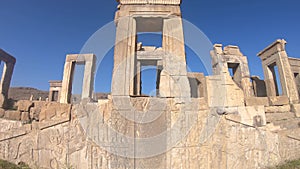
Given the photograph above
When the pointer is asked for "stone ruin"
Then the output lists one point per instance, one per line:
(226, 120)
(9, 64)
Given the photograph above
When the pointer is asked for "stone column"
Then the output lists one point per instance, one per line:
(173, 39)
(6, 76)
(124, 57)
(88, 79)
(270, 81)
(173, 80)
(66, 89)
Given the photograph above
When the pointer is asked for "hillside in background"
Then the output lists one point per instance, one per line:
(24, 93)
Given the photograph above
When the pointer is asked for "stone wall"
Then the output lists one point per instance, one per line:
(80, 136)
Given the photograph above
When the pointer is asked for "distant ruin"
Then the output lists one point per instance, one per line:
(226, 120)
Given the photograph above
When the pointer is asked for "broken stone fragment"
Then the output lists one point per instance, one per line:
(12, 115)
(25, 117)
(25, 105)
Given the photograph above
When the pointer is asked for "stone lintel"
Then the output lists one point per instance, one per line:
(232, 50)
(294, 61)
(278, 100)
(144, 2)
(148, 12)
(150, 54)
(228, 50)
(55, 83)
(275, 47)
(196, 75)
(79, 57)
(7, 58)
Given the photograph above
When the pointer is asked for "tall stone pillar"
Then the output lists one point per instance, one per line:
(6, 76)
(66, 89)
(88, 79)
(124, 57)
(173, 80)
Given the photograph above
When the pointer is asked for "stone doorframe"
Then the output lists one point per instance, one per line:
(89, 60)
(55, 87)
(275, 55)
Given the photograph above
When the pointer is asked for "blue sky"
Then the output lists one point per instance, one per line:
(39, 33)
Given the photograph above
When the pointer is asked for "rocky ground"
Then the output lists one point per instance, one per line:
(7, 165)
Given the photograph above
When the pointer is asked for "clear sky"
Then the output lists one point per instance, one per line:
(39, 33)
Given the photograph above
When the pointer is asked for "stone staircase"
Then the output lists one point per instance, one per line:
(286, 120)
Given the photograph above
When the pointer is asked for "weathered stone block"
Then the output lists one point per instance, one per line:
(121, 103)
(272, 117)
(253, 101)
(251, 116)
(13, 115)
(278, 100)
(25, 116)
(55, 110)
(24, 105)
(278, 109)
(296, 109)
(223, 91)
(2, 112)
(34, 113)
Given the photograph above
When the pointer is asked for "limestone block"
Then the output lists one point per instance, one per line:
(2, 101)
(174, 66)
(6, 125)
(25, 116)
(103, 102)
(296, 109)
(24, 105)
(157, 104)
(253, 101)
(278, 109)
(51, 123)
(178, 87)
(34, 113)
(277, 46)
(250, 115)
(11, 134)
(13, 115)
(2, 112)
(121, 103)
(196, 104)
(278, 100)
(232, 50)
(271, 127)
(164, 86)
(272, 117)
(223, 91)
(55, 111)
